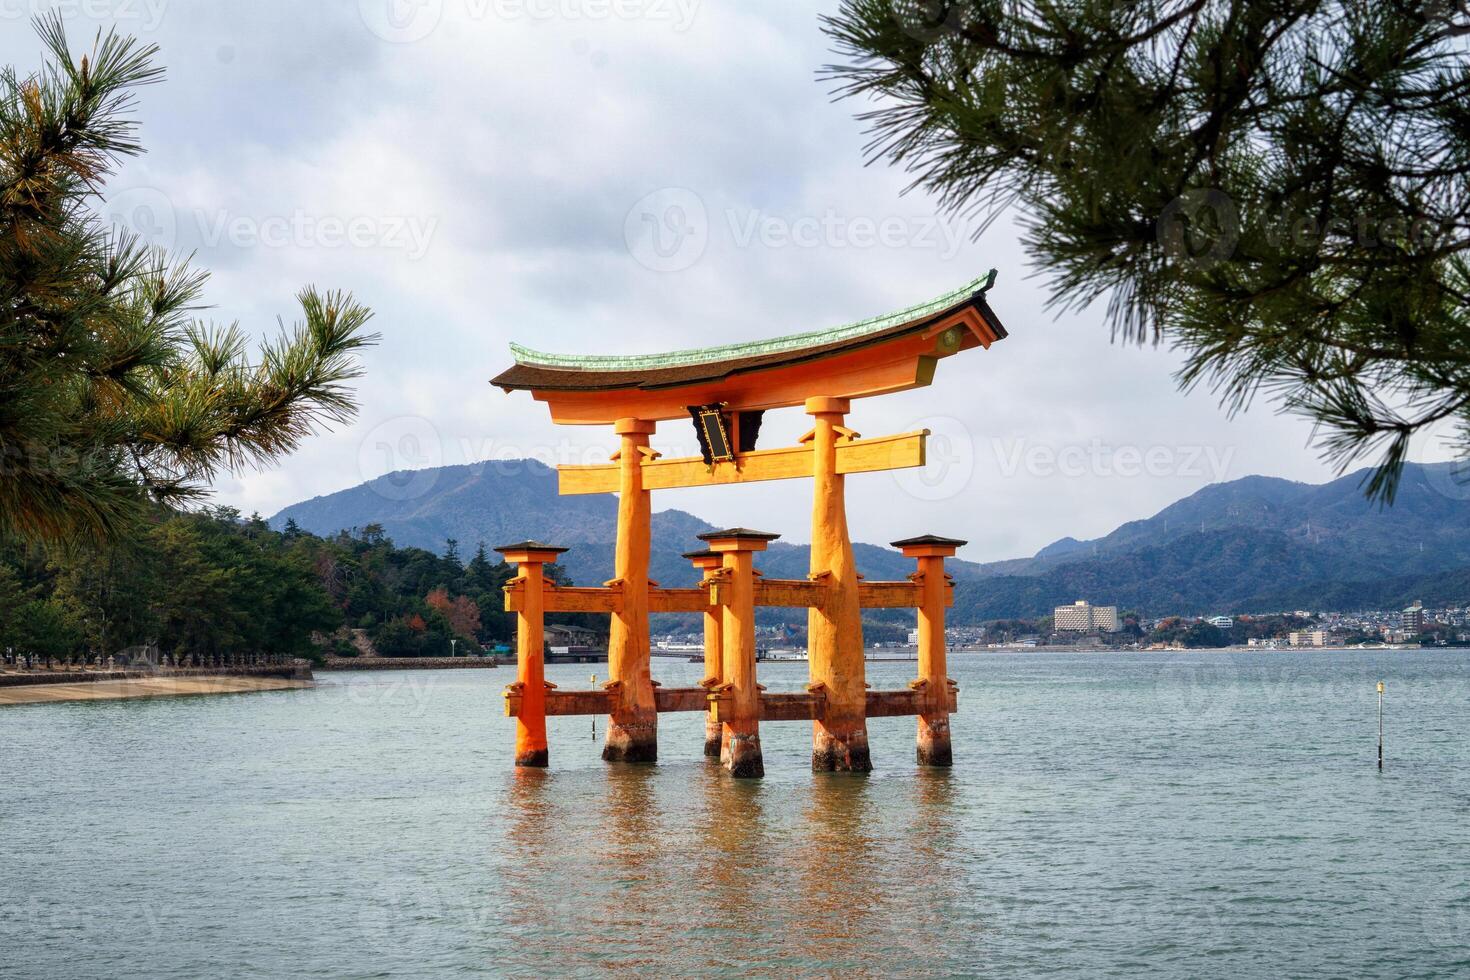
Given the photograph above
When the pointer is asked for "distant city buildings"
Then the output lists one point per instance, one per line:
(1413, 619)
(1307, 638)
(1083, 617)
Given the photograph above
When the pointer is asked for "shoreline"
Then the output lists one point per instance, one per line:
(45, 687)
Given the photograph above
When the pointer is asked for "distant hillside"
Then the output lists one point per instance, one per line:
(1427, 529)
(498, 502)
(1253, 544)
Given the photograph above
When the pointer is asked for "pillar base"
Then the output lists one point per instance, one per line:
(630, 743)
(831, 753)
(744, 759)
(535, 758)
(935, 752)
(712, 737)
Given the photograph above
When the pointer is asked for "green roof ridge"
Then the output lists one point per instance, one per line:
(753, 348)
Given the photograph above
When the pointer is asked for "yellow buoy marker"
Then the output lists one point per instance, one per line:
(1380, 724)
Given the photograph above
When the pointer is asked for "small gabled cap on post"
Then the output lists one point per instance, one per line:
(929, 546)
(530, 552)
(737, 539)
(703, 559)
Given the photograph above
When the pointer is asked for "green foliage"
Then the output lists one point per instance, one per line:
(112, 397)
(1278, 190)
(209, 583)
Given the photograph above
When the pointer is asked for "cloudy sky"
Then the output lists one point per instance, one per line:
(622, 176)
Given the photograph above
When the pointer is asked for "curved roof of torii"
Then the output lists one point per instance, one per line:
(828, 361)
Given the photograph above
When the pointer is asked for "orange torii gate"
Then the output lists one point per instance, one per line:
(725, 390)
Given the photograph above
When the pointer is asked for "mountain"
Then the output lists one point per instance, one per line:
(1253, 544)
(502, 501)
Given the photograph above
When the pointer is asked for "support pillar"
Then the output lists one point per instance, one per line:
(933, 684)
(835, 631)
(739, 702)
(530, 557)
(632, 728)
(708, 562)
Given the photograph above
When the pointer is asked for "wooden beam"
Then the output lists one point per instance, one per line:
(600, 702)
(681, 698)
(790, 592)
(787, 463)
(889, 595)
(891, 704)
(678, 600)
(564, 703)
(568, 599)
(782, 706)
(796, 706)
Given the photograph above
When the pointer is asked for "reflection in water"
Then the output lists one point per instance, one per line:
(841, 871)
(677, 868)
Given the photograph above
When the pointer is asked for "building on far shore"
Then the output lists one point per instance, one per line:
(1221, 622)
(1311, 638)
(1083, 617)
(1413, 618)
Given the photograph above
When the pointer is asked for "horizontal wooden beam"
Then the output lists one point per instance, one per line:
(556, 598)
(678, 600)
(564, 703)
(890, 595)
(796, 706)
(791, 592)
(787, 463)
(680, 698)
(896, 595)
(780, 706)
(891, 704)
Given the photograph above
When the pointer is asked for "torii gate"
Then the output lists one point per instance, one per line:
(726, 389)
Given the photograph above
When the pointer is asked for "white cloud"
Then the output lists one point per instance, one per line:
(509, 149)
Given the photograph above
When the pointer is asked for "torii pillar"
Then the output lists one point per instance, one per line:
(835, 631)
(738, 698)
(529, 557)
(708, 563)
(933, 684)
(632, 728)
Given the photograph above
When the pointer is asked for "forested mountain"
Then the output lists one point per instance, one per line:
(1253, 544)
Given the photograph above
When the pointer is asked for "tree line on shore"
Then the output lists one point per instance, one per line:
(212, 584)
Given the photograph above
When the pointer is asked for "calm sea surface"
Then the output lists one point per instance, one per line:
(1210, 814)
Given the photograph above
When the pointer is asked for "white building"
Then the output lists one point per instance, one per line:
(1308, 638)
(1083, 617)
(1223, 622)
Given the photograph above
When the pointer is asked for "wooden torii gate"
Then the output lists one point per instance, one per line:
(726, 389)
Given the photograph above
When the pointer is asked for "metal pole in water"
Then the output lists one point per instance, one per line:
(1380, 725)
(594, 717)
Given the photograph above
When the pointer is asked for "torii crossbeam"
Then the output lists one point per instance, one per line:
(725, 390)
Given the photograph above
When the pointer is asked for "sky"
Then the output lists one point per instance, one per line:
(623, 176)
